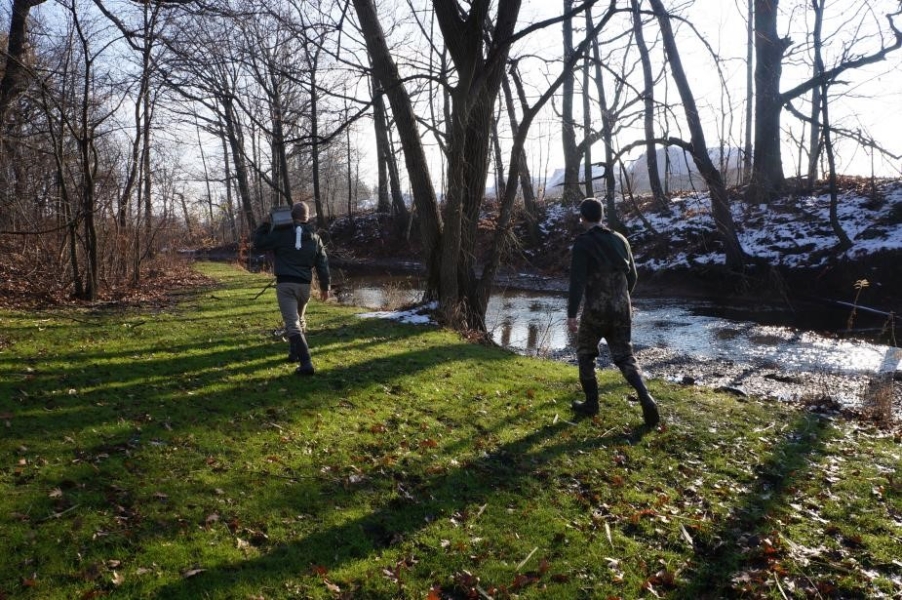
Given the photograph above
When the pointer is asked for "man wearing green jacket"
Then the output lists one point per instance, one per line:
(603, 272)
(297, 251)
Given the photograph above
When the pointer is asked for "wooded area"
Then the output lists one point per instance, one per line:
(131, 130)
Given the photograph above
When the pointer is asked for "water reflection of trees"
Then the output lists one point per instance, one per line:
(535, 340)
(507, 326)
(532, 337)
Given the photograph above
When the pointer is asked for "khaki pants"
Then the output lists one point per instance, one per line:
(292, 299)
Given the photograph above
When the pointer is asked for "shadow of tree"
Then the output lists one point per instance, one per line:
(173, 389)
(506, 467)
(748, 538)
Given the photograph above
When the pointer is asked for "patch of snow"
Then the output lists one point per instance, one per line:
(419, 315)
(777, 232)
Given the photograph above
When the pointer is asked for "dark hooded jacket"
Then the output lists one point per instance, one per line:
(293, 264)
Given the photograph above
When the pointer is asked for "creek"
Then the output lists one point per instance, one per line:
(748, 347)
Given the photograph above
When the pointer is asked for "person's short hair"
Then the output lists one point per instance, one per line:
(300, 212)
(591, 210)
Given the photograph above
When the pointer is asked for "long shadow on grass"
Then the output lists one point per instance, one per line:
(109, 465)
(737, 546)
(174, 384)
(506, 468)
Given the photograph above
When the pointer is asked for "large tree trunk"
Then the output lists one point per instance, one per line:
(720, 209)
(767, 170)
(473, 100)
(15, 73)
(87, 153)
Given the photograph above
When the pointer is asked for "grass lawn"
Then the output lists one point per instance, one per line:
(172, 453)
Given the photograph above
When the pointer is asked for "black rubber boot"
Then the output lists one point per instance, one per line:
(293, 349)
(590, 406)
(299, 344)
(649, 406)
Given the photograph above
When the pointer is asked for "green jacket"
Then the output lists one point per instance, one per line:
(602, 269)
(292, 264)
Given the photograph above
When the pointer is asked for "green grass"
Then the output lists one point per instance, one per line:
(171, 453)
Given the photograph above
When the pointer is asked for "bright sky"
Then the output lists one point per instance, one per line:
(871, 104)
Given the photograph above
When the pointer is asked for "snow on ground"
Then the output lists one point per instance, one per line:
(420, 315)
(791, 232)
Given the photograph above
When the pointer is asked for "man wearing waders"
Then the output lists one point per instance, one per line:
(602, 270)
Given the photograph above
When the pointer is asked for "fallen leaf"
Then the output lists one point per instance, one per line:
(686, 536)
(192, 572)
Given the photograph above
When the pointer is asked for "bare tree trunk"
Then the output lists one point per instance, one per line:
(186, 214)
(72, 235)
(735, 257)
(399, 208)
(607, 136)
(844, 242)
(321, 219)
(499, 162)
(280, 151)
(380, 126)
(749, 91)
(148, 179)
(385, 70)
(571, 192)
(88, 165)
(203, 162)
(235, 139)
(227, 167)
(587, 119)
(526, 187)
(814, 135)
(68, 208)
(648, 97)
(348, 160)
(15, 74)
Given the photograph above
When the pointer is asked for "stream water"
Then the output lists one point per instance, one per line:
(756, 348)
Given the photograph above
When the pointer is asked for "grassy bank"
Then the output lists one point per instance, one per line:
(173, 454)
